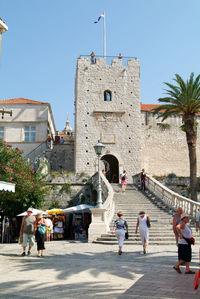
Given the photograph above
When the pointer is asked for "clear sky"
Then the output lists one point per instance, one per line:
(45, 37)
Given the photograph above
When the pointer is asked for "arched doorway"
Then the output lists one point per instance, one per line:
(111, 168)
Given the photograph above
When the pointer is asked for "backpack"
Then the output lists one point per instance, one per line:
(123, 177)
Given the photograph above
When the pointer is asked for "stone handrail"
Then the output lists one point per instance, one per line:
(107, 198)
(102, 217)
(109, 204)
(169, 197)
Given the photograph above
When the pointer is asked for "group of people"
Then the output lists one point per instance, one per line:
(182, 232)
(37, 228)
(124, 179)
(121, 229)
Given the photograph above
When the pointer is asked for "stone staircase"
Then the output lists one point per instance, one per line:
(130, 204)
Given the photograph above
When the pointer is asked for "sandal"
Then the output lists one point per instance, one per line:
(177, 270)
(119, 252)
(190, 272)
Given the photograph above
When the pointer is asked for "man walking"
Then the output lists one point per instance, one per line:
(176, 221)
(28, 231)
(143, 180)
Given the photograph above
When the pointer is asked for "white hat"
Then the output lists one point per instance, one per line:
(30, 210)
(184, 215)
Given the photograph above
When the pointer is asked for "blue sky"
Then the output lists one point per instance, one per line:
(45, 37)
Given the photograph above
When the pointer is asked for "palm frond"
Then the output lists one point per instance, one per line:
(182, 98)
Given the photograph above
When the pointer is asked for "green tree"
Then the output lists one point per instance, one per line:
(30, 188)
(184, 98)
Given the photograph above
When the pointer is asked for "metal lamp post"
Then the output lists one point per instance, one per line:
(99, 147)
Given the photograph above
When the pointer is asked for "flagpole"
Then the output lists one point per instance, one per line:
(104, 35)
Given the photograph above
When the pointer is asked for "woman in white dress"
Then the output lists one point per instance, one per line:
(143, 229)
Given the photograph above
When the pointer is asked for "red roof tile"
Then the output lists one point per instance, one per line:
(21, 101)
(148, 107)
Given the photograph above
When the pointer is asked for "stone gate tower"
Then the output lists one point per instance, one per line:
(107, 107)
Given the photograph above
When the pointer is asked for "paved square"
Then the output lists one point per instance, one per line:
(81, 270)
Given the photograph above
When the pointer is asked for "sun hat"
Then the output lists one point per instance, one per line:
(30, 210)
(184, 215)
(39, 215)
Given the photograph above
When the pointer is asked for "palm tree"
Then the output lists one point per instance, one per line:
(184, 98)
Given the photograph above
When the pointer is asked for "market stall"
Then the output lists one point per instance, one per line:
(78, 219)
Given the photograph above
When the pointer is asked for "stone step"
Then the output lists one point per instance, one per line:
(157, 242)
(130, 204)
(138, 239)
(134, 235)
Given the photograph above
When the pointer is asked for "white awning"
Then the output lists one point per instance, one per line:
(35, 212)
(78, 208)
(7, 186)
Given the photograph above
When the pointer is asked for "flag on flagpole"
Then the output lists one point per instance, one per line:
(99, 18)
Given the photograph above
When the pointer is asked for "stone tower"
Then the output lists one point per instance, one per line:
(107, 107)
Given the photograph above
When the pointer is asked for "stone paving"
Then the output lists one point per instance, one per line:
(80, 270)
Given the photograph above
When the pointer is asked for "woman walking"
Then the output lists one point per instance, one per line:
(120, 227)
(142, 222)
(184, 245)
(40, 234)
(124, 179)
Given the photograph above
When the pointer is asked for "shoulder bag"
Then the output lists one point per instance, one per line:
(42, 229)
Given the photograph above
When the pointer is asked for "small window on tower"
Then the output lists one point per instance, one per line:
(107, 95)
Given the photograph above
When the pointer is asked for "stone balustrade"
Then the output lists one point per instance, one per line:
(109, 204)
(101, 218)
(172, 199)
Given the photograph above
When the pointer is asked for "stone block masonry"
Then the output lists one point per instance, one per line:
(116, 119)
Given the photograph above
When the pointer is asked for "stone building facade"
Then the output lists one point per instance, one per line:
(107, 107)
(28, 125)
(164, 146)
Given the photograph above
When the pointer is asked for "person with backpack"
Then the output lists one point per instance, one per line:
(121, 227)
(124, 179)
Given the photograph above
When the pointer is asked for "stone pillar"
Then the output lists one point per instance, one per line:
(98, 225)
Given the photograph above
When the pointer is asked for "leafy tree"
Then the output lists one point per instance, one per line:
(184, 98)
(30, 188)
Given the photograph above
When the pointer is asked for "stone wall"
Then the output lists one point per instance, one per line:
(64, 187)
(73, 189)
(164, 148)
(61, 157)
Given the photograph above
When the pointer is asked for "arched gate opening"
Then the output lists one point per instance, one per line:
(111, 168)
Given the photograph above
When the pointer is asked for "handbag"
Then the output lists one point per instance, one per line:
(190, 241)
(148, 223)
(126, 236)
(42, 229)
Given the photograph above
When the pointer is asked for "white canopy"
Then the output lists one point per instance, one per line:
(35, 212)
(7, 186)
(78, 208)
